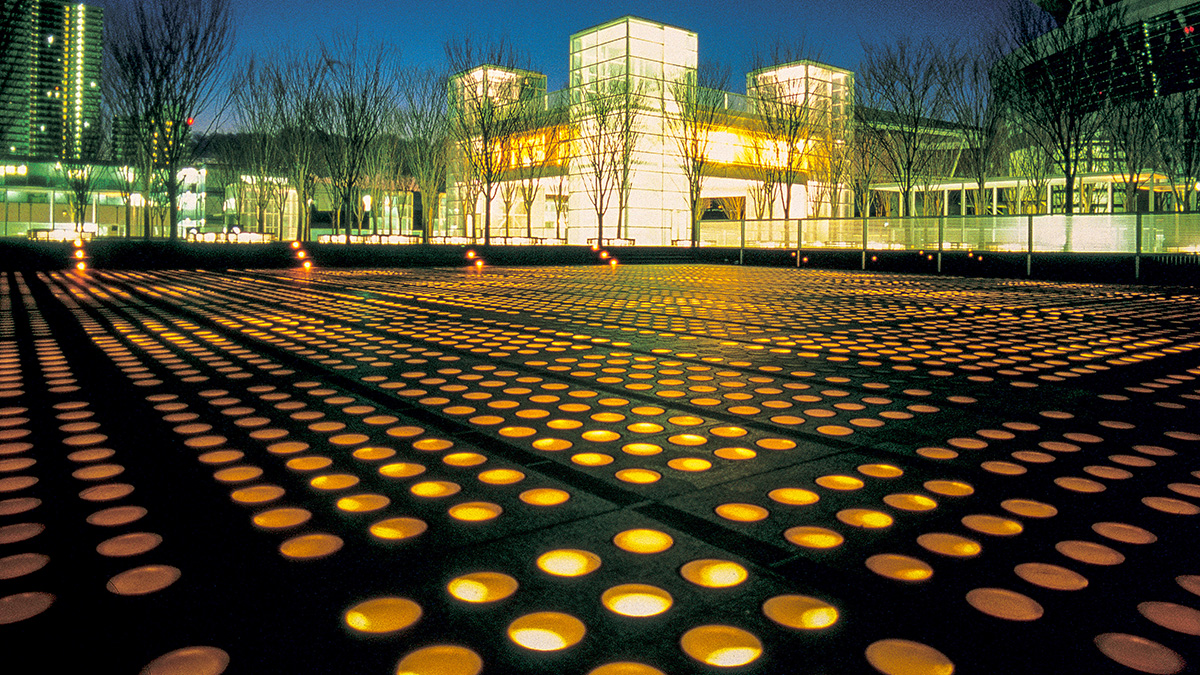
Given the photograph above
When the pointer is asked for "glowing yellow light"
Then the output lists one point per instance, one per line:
(307, 265)
(301, 254)
(363, 503)
(470, 254)
(799, 611)
(478, 264)
(281, 518)
(604, 254)
(637, 600)
(544, 496)
(464, 459)
(475, 511)
(440, 660)
(949, 544)
(501, 476)
(482, 587)
(546, 631)
(640, 476)
(398, 528)
(745, 513)
(568, 562)
(625, 668)
(865, 518)
(723, 646)
(900, 567)
(880, 470)
(643, 541)
(435, 488)
(592, 459)
(383, 615)
(910, 502)
(401, 470)
(81, 266)
(840, 482)
(794, 496)
(79, 253)
(905, 657)
(813, 537)
(714, 573)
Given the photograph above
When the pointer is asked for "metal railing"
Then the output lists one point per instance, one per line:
(1135, 234)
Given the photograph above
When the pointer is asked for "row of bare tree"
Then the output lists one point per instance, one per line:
(1039, 97)
(370, 131)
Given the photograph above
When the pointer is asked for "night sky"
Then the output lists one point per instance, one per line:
(729, 30)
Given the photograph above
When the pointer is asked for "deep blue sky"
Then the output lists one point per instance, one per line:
(729, 30)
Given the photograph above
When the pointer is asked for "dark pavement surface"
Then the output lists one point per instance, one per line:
(430, 471)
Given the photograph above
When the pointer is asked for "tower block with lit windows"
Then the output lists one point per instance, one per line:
(51, 93)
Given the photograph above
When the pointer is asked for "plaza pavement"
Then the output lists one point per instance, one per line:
(616, 471)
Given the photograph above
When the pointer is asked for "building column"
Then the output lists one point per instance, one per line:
(1110, 195)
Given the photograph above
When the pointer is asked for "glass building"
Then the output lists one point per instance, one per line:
(606, 161)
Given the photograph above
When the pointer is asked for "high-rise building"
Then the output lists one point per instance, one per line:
(50, 91)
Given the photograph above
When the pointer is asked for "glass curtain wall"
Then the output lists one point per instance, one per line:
(634, 61)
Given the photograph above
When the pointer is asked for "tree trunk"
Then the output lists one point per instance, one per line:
(172, 208)
(487, 219)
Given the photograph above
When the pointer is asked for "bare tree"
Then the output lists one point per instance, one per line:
(699, 99)
(351, 109)
(81, 167)
(486, 95)
(253, 97)
(301, 80)
(901, 86)
(1178, 146)
(424, 128)
(561, 197)
(765, 173)
(830, 165)
(1032, 165)
(541, 151)
(1042, 80)
(599, 144)
(168, 56)
(1132, 133)
(508, 197)
(791, 106)
(628, 132)
(974, 108)
(865, 157)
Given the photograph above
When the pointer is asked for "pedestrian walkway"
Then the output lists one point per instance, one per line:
(602, 470)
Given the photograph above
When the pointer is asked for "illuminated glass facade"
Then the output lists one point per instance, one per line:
(624, 157)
